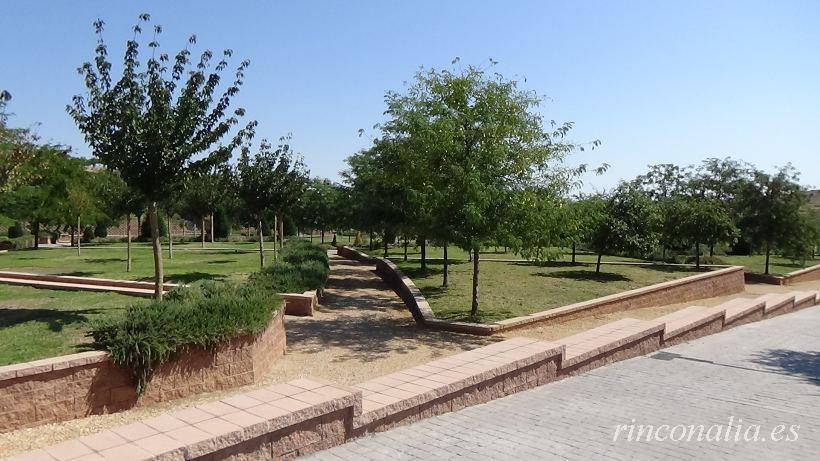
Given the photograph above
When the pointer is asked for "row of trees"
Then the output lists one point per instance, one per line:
(466, 159)
(164, 133)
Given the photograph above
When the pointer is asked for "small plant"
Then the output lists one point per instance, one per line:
(144, 337)
(17, 230)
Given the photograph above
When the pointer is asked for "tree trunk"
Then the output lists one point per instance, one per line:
(711, 250)
(370, 242)
(281, 229)
(598, 264)
(170, 238)
(153, 221)
(73, 230)
(474, 308)
(311, 235)
(261, 245)
(79, 235)
(212, 228)
(35, 228)
(768, 252)
(275, 236)
(573, 253)
(323, 235)
(663, 253)
(385, 244)
(405, 248)
(423, 255)
(697, 255)
(202, 229)
(128, 244)
(446, 274)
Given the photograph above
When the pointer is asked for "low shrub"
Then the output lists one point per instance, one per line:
(303, 267)
(284, 277)
(706, 260)
(299, 251)
(101, 230)
(17, 230)
(17, 243)
(88, 234)
(145, 336)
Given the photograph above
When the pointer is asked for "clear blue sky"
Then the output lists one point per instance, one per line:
(655, 81)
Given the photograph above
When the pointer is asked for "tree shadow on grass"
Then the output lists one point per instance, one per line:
(81, 273)
(803, 364)
(103, 260)
(187, 277)
(55, 319)
(589, 275)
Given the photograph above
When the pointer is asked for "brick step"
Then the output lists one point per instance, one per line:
(739, 311)
(777, 303)
(690, 322)
(457, 381)
(586, 345)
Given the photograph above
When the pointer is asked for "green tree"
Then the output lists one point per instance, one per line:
(319, 205)
(202, 194)
(626, 220)
(117, 200)
(43, 197)
(699, 220)
(154, 123)
(483, 139)
(268, 183)
(770, 210)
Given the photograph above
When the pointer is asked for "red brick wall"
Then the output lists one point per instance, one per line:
(78, 385)
(804, 275)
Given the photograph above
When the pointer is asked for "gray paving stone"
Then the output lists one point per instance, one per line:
(765, 373)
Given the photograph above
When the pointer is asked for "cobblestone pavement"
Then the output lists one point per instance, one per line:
(766, 373)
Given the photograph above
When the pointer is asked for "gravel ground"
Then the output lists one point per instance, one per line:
(361, 331)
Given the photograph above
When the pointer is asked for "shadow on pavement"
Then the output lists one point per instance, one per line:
(804, 364)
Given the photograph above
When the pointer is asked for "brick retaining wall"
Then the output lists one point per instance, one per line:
(284, 421)
(88, 383)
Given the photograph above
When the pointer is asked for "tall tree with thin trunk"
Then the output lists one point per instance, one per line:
(474, 138)
(159, 119)
(265, 183)
(771, 210)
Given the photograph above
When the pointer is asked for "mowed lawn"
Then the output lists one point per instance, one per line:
(512, 289)
(220, 260)
(754, 263)
(37, 324)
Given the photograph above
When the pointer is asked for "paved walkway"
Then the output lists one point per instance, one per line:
(766, 374)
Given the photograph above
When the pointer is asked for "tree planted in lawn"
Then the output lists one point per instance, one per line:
(155, 122)
(771, 210)
(627, 220)
(488, 141)
(267, 183)
(700, 220)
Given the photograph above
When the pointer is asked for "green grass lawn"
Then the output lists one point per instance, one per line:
(757, 263)
(36, 324)
(512, 289)
(753, 263)
(190, 262)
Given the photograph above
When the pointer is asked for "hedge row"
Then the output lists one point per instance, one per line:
(205, 314)
(303, 267)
